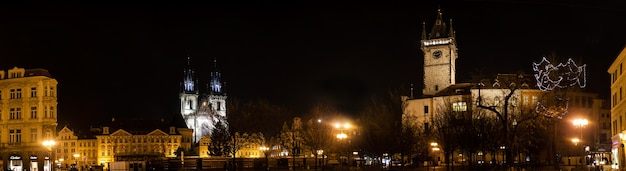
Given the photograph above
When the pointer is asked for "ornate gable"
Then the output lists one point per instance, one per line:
(66, 130)
(121, 132)
(157, 132)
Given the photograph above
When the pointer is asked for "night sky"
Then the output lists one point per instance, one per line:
(127, 60)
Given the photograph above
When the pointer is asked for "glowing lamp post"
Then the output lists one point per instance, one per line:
(581, 123)
(435, 147)
(48, 163)
(575, 141)
(341, 136)
(264, 149)
(76, 160)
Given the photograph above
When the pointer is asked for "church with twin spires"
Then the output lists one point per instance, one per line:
(202, 110)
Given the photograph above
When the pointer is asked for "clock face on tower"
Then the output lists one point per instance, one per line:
(437, 54)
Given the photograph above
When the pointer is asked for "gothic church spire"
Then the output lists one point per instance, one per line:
(189, 80)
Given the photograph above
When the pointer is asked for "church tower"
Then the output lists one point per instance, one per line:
(202, 110)
(189, 94)
(440, 54)
(217, 96)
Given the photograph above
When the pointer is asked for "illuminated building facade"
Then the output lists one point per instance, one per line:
(442, 92)
(74, 152)
(28, 115)
(618, 111)
(202, 110)
(121, 140)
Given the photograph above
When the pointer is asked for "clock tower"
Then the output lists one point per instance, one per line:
(440, 53)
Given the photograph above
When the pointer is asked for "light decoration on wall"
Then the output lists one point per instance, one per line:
(437, 41)
(551, 78)
(562, 75)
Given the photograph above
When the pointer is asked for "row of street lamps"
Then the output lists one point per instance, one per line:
(340, 136)
(49, 144)
(579, 123)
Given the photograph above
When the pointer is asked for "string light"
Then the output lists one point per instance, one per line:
(562, 75)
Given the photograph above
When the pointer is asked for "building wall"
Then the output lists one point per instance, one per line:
(105, 146)
(28, 115)
(69, 149)
(618, 109)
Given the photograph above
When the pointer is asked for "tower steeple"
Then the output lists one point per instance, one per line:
(439, 28)
(424, 31)
(189, 80)
(451, 32)
(189, 94)
(215, 84)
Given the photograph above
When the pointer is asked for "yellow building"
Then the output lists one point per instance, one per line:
(70, 150)
(618, 111)
(249, 145)
(28, 105)
(121, 140)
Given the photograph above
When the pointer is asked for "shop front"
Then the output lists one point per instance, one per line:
(47, 164)
(15, 163)
(33, 163)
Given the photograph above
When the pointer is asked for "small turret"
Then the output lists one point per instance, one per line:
(424, 31)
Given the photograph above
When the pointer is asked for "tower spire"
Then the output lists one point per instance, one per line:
(188, 80)
(216, 80)
(424, 31)
(439, 29)
(451, 32)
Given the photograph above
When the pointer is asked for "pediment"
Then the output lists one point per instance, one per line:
(121, 132)
(66, 130)
(157, 132)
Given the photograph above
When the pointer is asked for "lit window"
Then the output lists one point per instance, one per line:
(459, 107)
(496, 101)
(534, 100)
(526, 100)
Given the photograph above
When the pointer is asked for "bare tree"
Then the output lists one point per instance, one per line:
(448, 125)
(316, 136)
(381, 124)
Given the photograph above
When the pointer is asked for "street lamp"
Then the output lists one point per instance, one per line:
(264, 149)
(319, 153)
(341, 136)
(48, 164)
(76, 155)
(581, 123)
(575, 141)
(435, 147)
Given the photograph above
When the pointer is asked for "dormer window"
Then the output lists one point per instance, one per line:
(16, 72)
